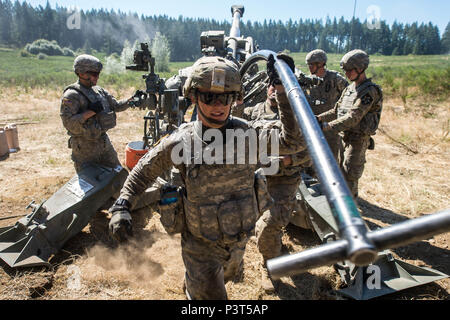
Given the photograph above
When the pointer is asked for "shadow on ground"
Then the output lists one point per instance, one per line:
(431, 255)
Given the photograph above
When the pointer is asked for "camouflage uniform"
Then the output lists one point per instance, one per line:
(221, 203)
(356, 116)
(324, 96)
(88, 139)
(282, 187)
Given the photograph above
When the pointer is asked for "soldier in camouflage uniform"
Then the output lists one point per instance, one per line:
(356, 116)
(282, 186)
(220, 203)
(88, 112)
(324, 96)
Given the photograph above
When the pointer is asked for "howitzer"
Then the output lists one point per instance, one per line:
(355, 244)
(234, 46)
(166, 107)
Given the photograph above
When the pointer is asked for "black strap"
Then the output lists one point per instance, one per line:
(79, 91)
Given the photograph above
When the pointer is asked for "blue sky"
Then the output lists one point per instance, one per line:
(404, 11)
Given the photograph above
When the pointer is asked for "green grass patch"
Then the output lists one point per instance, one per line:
(401, 76)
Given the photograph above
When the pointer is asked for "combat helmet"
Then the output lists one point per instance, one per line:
(355, 59)
(317, 55)
(214, 74)
(84, 63)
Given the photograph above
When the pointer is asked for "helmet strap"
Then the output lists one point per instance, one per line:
(359, 74)
(88, 80)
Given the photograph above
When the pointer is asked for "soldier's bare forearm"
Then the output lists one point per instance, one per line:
(87, 114)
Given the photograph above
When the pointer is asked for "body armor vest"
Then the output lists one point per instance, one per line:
(220, 201)
(261, 113)
(369, 123)
(105, 118)
(323, 97)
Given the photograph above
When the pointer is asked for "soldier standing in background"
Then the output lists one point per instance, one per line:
(356, 116)
(88, 112)
(219, 205)
(282, 187)
(324, 96)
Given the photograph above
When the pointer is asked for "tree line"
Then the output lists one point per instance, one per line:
(106, 31)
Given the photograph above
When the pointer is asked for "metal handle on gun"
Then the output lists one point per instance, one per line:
(394, 236)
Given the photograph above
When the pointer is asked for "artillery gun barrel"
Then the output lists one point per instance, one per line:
(394, 236)
(235, 31)
(360, 249)
(237, 12)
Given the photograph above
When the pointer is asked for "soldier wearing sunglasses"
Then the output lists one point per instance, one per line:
(218, 207)
(88, 112)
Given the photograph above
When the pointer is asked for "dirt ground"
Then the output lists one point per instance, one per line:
(406, 176)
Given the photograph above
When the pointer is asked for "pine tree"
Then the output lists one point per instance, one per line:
(445, 42)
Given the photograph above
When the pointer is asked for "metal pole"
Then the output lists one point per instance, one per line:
(394, 236)
(360, 250)
(235, 32)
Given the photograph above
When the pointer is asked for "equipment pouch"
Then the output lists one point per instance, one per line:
(237, 216)
(263, 197)
(369, 123)
(171, 209)
(107, 120)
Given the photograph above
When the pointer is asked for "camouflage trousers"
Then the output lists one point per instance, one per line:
(354, 159)
(337, 149)
(283, 190)
(335, 142)
(100, 151)
(209, 265)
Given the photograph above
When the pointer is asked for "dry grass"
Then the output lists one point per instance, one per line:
(397, 184)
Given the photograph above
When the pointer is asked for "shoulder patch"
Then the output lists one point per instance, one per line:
(367, 99)
(67, 102)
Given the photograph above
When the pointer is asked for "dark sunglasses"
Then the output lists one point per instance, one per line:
(211, 98)
(94, 74)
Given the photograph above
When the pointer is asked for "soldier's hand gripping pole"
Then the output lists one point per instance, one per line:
(359, 250)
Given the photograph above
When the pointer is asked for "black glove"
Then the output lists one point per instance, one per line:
(120, 227)
(95, 106)
(272, 73)
(140, 95)
(309, 81)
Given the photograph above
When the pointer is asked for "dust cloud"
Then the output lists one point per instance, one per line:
(146, 262)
